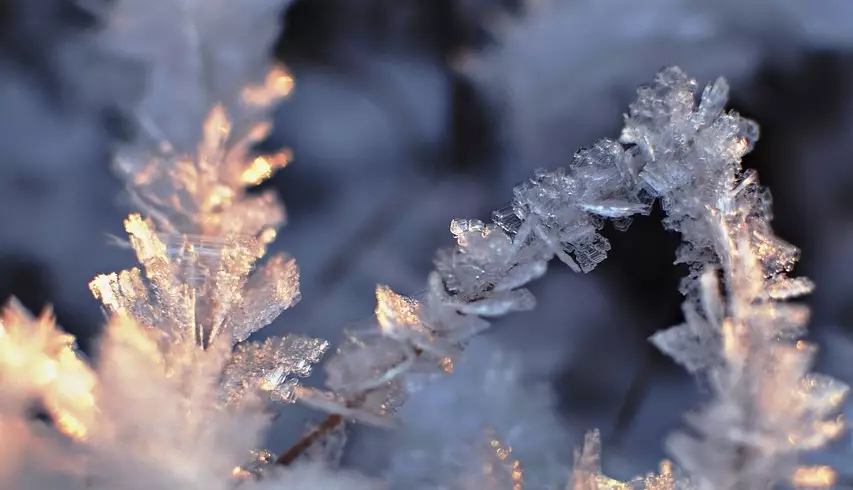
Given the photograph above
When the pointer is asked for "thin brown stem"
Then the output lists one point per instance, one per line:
(330, 423)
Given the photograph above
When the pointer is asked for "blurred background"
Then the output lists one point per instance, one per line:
(408, 113)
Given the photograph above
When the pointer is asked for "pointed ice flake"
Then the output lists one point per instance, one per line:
(202, 288)
(272, 366)
(443, 316)
(712, 103)
(615, 208)
(500, 303)
(522, 274)
(197, 53)
(375, 409)
(204, 192)
(814, 477)
(587, 465)
(364, 364)
(271, 289)
(400, 318)
(782, 288)
(397, 314)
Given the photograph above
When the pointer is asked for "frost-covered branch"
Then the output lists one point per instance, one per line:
(765, 406)
(179, 398)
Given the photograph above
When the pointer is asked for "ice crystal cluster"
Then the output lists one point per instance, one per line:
(178, 397)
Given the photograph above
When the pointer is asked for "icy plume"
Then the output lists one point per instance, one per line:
(198, 53)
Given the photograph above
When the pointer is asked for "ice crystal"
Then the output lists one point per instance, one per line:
(179, 324)
(232, 301)
(586, 474)
(201, 244)
(204, 193)
(272, 365)
(765, 406)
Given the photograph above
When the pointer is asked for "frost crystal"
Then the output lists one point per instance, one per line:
(232, 300)
(586, 474)
(200, 249)
(766, 406)
(204, 193)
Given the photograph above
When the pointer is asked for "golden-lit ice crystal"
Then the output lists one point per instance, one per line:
(232, 300)
(199, 245)
(586, 474)
(205, 193)
(39, 361)
(272, 364)
(814, 477)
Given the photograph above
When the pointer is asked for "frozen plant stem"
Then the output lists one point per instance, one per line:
(765, 406)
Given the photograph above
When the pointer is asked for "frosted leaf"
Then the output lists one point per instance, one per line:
(272, 366)
(201, 289)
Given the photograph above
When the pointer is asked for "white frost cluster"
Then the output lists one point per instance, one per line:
(179, 400)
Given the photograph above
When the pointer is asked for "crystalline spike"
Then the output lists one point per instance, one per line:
(376, 414)
(271, 289)
(395, 312)
(500, 303)
(507, 219)
(615, 208)
(713, 102)
(195, 194)
(272, 367)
